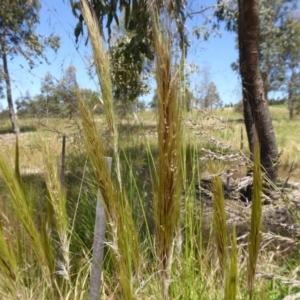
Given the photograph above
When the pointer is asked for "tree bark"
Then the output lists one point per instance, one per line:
(12, 114)
(248, 118)
(256, 112)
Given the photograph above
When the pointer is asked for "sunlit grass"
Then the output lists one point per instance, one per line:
(164, 239)
(31, 158)
(194, 270)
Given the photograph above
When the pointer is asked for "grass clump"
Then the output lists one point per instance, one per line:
(122, 233)
(231, 283)
(167, 200)
(165, 239)
(39, 248)
(256, 214)
(219, 222)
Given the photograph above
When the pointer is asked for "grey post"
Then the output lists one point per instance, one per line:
(98, 245)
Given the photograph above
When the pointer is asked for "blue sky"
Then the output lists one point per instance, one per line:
(217, 54)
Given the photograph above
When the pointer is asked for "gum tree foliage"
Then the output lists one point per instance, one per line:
(289, 64)
(274, 18)
(67, 91)
(208, 94)
(18, 19)
(25, 105)
(188, 101)
(136, 46)
(48, 99)
(244, 17)
(129, 79)
(276, 38)
(211, 97)
(137, 20)
(45, 104)
(56, 98)
(279, 53)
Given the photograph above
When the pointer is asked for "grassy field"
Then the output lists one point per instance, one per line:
(180, 218)
(218, 131)
(204, 133)
(167, 237)
(205, 129)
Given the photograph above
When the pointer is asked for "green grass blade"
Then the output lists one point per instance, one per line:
(256, 214)
(231, 284)
(23, 213)
(57, 197)
(102, 64)
(8, 263)
(122, 235)
(219, 222)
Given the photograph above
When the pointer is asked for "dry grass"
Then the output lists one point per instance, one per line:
(223, 140)
(30, 143)
(204, 129)
(167, 199)
(228, 129)
(159, 218)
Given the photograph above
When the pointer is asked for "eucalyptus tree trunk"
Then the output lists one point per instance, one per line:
(256, 111)
(6, 76)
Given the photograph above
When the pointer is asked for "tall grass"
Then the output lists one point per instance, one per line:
(57, 198)
(35, 258)
(21, 207)
(122, 233)
(228, 267)
(219, 222)
(181, 256)
(167, 200)
(102, 65)
(231, 283)
(256, 213)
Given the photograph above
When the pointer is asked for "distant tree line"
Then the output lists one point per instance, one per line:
(57, 98)
(208, 97)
